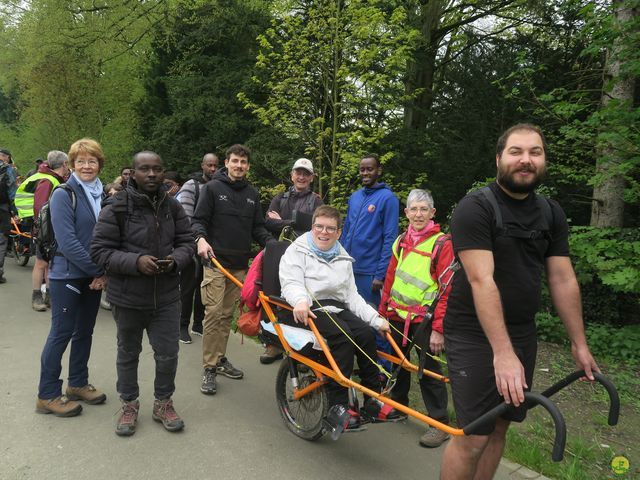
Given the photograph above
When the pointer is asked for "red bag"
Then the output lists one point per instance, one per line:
(249, 323)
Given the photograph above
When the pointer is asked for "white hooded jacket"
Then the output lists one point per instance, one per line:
(303, 274)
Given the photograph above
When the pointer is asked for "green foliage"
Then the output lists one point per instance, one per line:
(610, 255)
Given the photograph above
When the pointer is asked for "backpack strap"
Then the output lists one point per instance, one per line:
(435, 254)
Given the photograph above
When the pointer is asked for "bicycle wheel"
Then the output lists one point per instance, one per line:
(302, 417)
(20, 252)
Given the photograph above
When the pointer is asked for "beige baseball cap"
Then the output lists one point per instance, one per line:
(303, 163)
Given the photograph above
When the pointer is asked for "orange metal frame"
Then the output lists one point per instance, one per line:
(16, 230)
(323, 372)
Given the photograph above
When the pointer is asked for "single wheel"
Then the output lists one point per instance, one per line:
(303, 417)
(20, 252)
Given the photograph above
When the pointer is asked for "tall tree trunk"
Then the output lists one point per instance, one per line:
(607, 209)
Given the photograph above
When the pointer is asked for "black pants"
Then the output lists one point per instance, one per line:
(434, 392)
(190, 280)
(343, 350)
(163, 329)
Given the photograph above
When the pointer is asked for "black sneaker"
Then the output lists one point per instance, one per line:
(184, 335)
(225, 368)
(2, 279)
(209, 386)
(377, 412)
(196, 329)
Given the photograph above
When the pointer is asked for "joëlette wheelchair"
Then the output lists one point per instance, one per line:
(302, 400)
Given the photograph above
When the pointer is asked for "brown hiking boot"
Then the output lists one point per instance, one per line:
(88, 394)
(164, 412)
(271, 354)
(60, 406)
(37, 302)
(433, 438)
(126, 425)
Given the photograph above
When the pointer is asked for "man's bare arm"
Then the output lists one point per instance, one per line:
(510, 379)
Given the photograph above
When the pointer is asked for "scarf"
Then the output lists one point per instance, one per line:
(414, 237)
(93, 191)
(326, 255)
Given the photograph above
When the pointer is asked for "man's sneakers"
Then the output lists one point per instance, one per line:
(196, 329)
(128, 418)
(376, 412)
(164, 412)
(88, 394)
(2, 279)
(433, 438)
(225, 368)
(209, 386)
(184, 335)
(271, 354)
(60, 406)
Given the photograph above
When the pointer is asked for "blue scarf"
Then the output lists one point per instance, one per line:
(326, 255)
(93, 191)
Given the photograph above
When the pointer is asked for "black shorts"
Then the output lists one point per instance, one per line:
(472, 377)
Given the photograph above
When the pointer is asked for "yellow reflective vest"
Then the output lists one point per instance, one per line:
(26, 192)
(413, 287)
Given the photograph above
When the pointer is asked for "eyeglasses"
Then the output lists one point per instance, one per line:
(323, 228)
(424, 210)
(85, 163)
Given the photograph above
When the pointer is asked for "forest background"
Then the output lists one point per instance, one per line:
(427, 84)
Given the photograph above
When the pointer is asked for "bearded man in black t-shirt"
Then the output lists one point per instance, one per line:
(489, 328)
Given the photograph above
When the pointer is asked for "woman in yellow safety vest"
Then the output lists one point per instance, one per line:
(419, 262)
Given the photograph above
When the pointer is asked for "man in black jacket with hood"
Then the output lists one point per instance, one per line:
(143, 239)
(228, 216)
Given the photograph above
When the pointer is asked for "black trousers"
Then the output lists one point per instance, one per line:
(434, 392)
(343, 350)
(163, 329)
(190, 280)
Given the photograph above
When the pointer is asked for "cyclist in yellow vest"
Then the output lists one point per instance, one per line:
(32, 194)
(419, 262)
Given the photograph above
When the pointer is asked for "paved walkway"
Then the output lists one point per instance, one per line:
(236, 434)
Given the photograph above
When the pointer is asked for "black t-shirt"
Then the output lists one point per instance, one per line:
(518, 262)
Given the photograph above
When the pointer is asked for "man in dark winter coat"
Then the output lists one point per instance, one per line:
(143, 240)
(227, 218)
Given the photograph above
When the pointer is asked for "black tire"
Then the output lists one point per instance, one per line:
(19, 254)
(303, 417)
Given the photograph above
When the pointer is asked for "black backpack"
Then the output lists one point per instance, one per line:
(43, 233)
(518, 232)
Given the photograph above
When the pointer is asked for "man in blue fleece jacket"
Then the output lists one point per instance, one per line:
(370, 229)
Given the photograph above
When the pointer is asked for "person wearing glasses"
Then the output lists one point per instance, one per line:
(316, 275)
(75, 283)
(419, 264)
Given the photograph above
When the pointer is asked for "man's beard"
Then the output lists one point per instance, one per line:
(507, 180)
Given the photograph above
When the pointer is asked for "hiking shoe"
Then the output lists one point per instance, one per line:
(88, 394)
(184, 335)
(126, 425)
(60, 406)
(433, 438)
(271, 354)
(164, 412)
(377, 412)
(2, 279)
(225, 368)
(209, 386)
(196, 329)
(37, 302)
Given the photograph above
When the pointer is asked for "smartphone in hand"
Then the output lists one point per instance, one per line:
(164, 264)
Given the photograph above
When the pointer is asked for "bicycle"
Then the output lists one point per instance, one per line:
(21, 243)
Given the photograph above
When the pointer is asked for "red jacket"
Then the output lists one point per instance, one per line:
(43, 189)
(444, 260)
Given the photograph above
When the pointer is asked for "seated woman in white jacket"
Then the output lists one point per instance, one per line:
(316, 269)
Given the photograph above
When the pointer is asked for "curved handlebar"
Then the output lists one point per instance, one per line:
(531, 400)
(614, 399)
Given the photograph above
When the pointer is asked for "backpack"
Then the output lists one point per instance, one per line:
(43, 233)
(519, 232)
